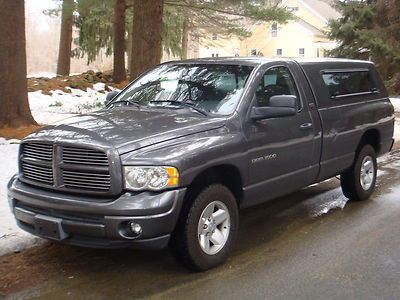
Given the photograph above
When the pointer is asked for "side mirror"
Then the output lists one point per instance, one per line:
(279, 106)
(110, 96)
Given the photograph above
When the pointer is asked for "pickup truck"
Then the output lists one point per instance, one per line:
(172, 158)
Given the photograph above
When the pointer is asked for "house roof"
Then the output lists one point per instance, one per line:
(314, 30)
(322, 8)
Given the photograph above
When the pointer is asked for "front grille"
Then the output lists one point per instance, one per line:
(42, 174)
(38, 151)
(73, 155)
(65, 167)
(88, 181)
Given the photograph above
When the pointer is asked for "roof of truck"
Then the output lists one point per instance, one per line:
(256, 60)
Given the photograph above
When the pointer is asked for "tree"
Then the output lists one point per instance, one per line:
(14, 106)
(370, 30)
(179, 20)
(64, 53)
(147, 29)
(95, 24)
(119, 73)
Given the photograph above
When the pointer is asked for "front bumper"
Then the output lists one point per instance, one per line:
(94, 222)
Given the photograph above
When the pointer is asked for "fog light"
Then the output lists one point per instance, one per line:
(135, 228)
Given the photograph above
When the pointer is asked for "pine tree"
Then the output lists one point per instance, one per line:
(180, 18)
(14, 106)
(370, 30)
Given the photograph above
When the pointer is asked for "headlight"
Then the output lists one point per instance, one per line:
(150, 178)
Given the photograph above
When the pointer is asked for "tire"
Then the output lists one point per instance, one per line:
(355, 186)
(195, 232)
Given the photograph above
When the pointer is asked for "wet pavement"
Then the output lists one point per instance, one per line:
(312, 244)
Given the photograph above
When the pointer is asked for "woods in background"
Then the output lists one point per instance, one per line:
(144, 29)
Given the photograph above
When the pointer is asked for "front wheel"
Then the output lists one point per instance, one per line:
(359, 182)
(204, 240)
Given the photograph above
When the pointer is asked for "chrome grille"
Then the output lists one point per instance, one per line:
(89, 181)
(73, 155)
(65, 168)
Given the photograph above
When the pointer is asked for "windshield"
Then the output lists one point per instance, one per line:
(207, 89)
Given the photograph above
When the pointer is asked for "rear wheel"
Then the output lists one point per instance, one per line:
(359, 182)
(204, 239)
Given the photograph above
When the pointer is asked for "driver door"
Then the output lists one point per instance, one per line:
(280, 150)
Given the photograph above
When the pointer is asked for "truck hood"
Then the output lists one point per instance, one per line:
(127, 129)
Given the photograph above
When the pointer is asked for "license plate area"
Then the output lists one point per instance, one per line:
(49, 227)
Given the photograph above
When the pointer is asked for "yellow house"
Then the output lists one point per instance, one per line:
(304, 36)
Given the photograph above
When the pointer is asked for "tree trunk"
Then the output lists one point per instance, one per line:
(185, 38)
(119, 72)
(147, 35)
(129, 50)
(14, 105)
(64, 53)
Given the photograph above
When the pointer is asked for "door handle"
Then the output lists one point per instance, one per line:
(306, 126)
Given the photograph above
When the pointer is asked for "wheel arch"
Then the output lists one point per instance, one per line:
(226, 174)
(370, 137)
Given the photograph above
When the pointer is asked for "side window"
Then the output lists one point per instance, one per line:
(276, 81)
(346, 83)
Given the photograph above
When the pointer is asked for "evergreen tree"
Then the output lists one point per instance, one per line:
(370, 30)
(97, 31)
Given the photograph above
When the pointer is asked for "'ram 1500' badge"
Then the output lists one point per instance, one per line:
(265, 157)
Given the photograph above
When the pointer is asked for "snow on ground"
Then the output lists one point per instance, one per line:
(11, 237)
(47, 75)
(396, 104)
(46, 110)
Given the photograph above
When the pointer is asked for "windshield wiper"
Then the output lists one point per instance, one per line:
(127, 101)
(190, 105)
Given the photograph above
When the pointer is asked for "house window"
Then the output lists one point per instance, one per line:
(214, 36)
(215, 55)
(278, 52)
(301, 52)
(274, 30)
(253, 52)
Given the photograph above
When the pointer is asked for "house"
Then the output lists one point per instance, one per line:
(304, 36)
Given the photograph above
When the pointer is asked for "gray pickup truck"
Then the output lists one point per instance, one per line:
(172, 157)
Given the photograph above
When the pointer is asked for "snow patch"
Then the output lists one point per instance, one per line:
(11, 237)
(48, 109)
(396, 105)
